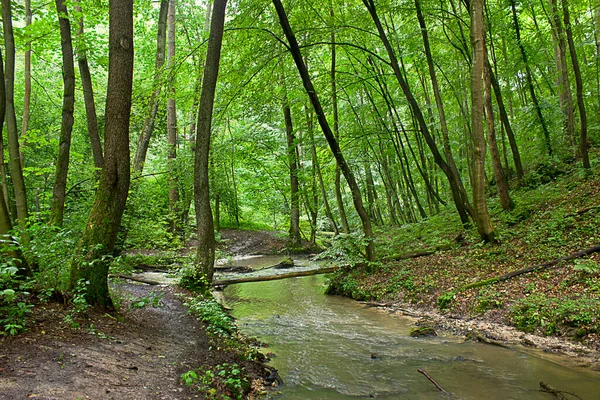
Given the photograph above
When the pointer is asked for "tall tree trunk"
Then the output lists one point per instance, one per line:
(484, 224)
(148, 126)
(506, 124)
(103, 224)
(88, 95)
(438, 101)
(329, 136)
(3, 184)
(529, 79)
(27, 76)
(16, 170)
(336, 131)
(57, 209)
(499, 175)
(172, 123)
(317, 168)
(205, 255)
(562, 73)
(461, 202)
(294, 232)
(583, 145)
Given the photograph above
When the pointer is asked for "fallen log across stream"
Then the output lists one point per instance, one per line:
(316, 271)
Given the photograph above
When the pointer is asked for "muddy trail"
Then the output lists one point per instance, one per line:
(138, 355)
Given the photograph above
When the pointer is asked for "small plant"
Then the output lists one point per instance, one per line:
(79, 303)
(586, 266)
(154, 299)
(13, 309)
(229, 379)
(211, 312)
(445, 299)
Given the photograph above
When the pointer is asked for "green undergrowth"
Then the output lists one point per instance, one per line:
(227, 380)
(437, 263)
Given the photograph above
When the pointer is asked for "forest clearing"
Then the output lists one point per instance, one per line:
(170, 170)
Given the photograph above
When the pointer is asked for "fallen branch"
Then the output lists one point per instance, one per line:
(533, 268)
(582, 211)
(142, 280)
(441, 389)
(546, 388)
(225, 282)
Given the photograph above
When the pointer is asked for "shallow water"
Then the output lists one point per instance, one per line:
(324, 347)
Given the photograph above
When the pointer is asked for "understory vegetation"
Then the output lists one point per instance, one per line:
(438, 264)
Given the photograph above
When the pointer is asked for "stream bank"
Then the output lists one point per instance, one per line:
(139, 353)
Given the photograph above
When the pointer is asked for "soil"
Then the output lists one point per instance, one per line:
(139, 354)
(244, 242)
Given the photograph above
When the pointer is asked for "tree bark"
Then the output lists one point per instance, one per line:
(562, 73)
(329, 136)
(499, 175)
(57, 208)
(484, 224)
(205, 254)
(103, 224)
(461, 202)
(336, 131)
(172, 124)
(16, 170)
(148, 127)
(27, 76)
(294, 231)
(88, 95)
(583, 146)
(5, 220)
(3, 184)
(507, 125)
(317, 167)
(529, 79)
(438, 100)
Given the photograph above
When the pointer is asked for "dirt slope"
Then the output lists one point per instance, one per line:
(139, 357)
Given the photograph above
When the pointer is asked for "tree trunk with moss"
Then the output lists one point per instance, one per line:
(16, 170)
(57, 209)
(482, 216)
(104, 221)
(205, 253)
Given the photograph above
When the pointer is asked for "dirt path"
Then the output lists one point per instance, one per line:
(139, 357)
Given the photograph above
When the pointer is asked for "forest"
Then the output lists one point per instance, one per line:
(443, 153)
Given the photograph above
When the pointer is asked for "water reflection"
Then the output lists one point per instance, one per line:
(325, 345)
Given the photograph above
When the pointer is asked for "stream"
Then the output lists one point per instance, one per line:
(330, 347)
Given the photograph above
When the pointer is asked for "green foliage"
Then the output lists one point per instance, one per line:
(551, 315)
(488, 299)
(350, 284)
(79, 304)
(13, 305)
(445, 299)
(346, 248)
(191, 280)
(223, 381)
(586, 266)
(210, 311)
(147, 215)
(51, 248)
(154, 299)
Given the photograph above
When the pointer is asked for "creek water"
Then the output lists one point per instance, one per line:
(329, 347)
